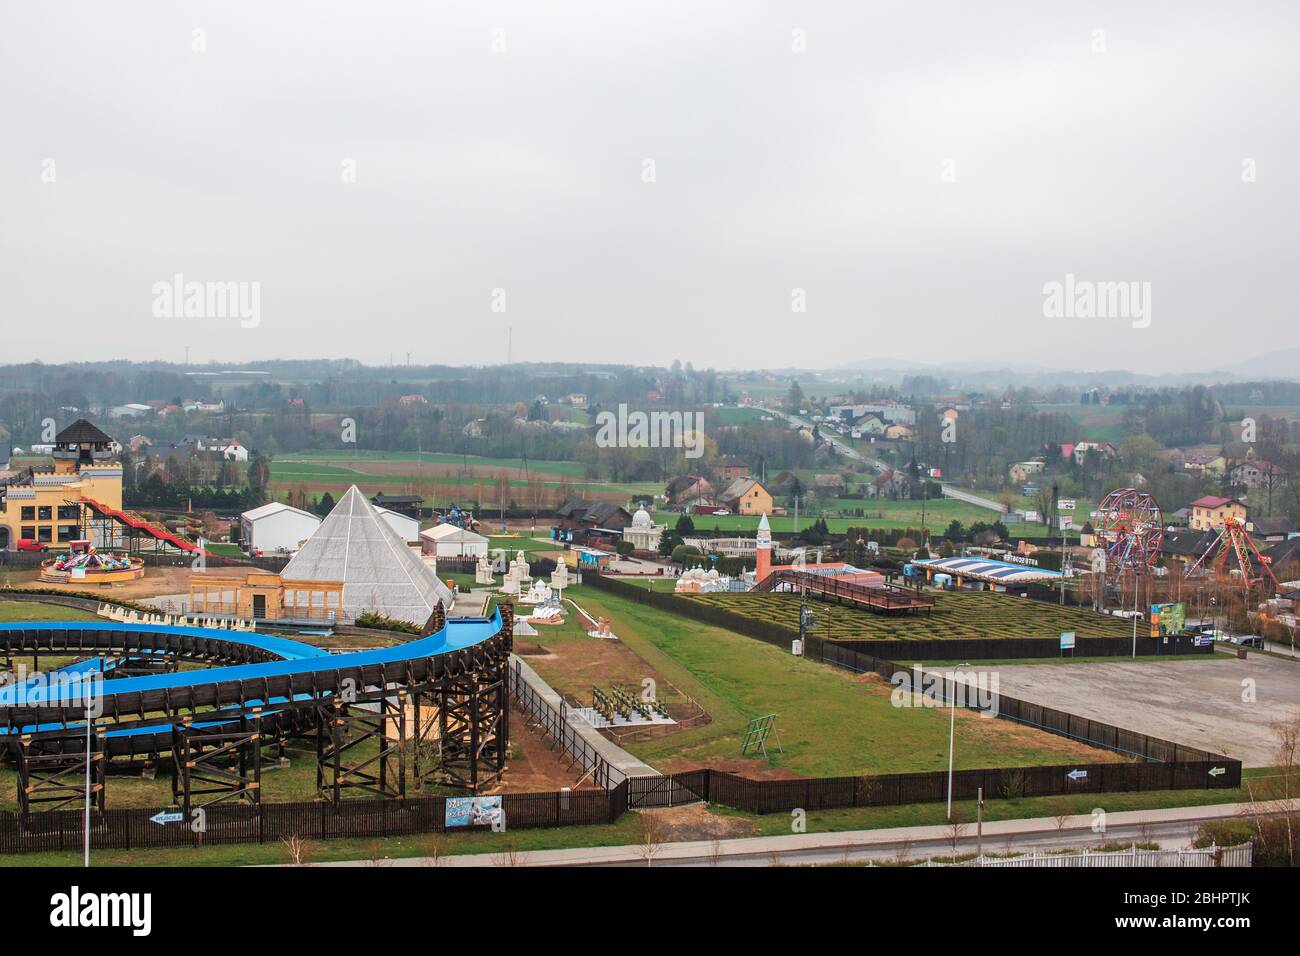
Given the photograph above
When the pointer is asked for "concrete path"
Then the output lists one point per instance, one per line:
(1222, 705)
(1171, 828)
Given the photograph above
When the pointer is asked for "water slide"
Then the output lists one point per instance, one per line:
(281, 669)
(140, 524)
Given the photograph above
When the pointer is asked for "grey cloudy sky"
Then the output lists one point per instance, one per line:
(775, 169)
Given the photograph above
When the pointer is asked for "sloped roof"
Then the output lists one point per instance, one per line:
(450, 532)
(355, 545)
(738, 489)
(79, 432)
(273, 508)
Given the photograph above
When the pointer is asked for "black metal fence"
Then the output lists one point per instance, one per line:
(274, 822)
(553, 722)
(1094, 732)
(774, 796)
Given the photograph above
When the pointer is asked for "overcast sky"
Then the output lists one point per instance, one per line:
(920, 170)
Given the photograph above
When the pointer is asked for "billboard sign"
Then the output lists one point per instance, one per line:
(474, 812)
(1168, 619)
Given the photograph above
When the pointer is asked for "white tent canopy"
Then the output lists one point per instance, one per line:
(355, 545)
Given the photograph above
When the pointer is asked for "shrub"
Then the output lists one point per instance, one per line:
(383, 622)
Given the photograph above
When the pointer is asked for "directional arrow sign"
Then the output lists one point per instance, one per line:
(165, 817)
(1218, 771)
(1077, 774)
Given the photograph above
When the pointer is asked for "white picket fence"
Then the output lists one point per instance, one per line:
(1226, 856)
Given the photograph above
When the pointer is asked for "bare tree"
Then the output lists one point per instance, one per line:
(654, 832)
(298, 849)
(956, 830)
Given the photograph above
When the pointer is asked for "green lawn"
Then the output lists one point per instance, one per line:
(831, 722)
(956, 614)
(627, 831)
(21, 611)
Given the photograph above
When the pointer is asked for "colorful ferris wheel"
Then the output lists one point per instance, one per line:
(1130, 527)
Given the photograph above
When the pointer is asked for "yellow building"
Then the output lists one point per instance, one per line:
(746, 496)
(46, 505)
(1210, 512)
(264, 596)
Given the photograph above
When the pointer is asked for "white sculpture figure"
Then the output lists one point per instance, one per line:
(560, 577)
(483, 570)
(521, 566)
(511, 583)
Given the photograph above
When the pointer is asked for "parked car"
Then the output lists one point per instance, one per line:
(722, 512)
(31, 544)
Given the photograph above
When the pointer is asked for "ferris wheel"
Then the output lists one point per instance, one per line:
(1130, 527)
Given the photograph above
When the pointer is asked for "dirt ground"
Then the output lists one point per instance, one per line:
(1224, 705)
(156, 581)
(533, 766)
(679, 824)
(572, 667)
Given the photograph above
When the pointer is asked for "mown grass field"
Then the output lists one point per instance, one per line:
(440, 475)
(831, 722)
(956, 614)
(18, 611)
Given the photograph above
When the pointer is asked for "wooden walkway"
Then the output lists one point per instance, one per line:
(885, 599)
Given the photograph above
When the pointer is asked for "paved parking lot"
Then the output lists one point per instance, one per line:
(1196, 702)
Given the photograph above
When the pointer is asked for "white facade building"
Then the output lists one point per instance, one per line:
(407, 528)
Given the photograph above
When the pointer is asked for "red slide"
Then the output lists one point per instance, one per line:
(132, 520)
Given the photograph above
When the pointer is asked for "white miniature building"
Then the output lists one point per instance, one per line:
(643, 534)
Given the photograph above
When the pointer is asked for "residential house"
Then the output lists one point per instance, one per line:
(832, 483)
(729, 469)
(1258, 473)
(1084, 448)
(870, 425)
(690, 491)
(746, 496)
(1271, 529)
(1210, 512)
(580, 514)
(1022, 471)
(1210, 466)
(898, 433)
(234, 451)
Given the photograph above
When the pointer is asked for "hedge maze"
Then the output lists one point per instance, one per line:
(956, 615)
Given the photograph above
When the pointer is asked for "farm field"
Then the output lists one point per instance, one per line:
(831, 722)
(440, 477)
(956, 615)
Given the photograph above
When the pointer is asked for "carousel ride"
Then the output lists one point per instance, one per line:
(82, 562)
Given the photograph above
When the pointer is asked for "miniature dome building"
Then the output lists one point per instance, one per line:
(643, 533)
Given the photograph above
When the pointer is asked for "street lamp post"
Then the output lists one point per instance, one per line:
(952, 735)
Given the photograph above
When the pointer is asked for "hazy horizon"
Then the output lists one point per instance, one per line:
(919, 173)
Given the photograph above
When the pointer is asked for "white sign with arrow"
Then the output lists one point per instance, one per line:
(1077, 774)
(165, 817)
(1218, 771)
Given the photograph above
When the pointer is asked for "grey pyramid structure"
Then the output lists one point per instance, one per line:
(380, 573)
